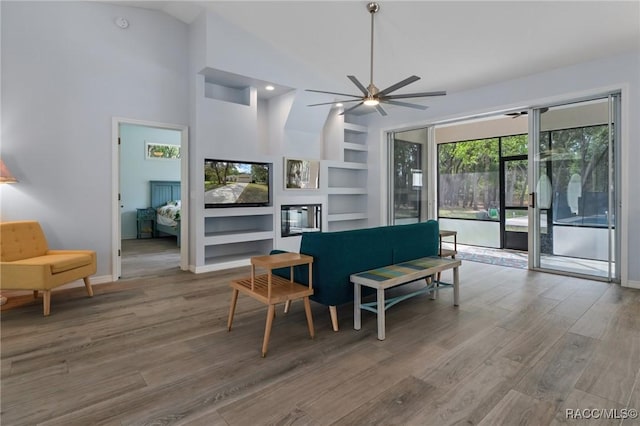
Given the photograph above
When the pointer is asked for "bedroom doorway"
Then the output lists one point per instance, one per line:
(150, 174)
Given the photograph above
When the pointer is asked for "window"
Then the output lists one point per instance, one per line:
(468, 179)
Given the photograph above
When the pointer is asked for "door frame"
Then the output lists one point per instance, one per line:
(503, 206)
(619, 176)
(116, 234)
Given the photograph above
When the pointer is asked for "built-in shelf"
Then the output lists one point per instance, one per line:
(355, 147)
(355, 128)
(233, 235)
(346, 216)
(216, 238)
(347, 181)
(346, 190)
(345, 165)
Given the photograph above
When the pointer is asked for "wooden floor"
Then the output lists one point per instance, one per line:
(521, 349)
(148, 257)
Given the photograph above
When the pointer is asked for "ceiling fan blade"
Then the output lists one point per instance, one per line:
(415, 95)
(399, 85)
(405, 104)
(333, 93)
(352, 108)
(358, 84)
(381, 110)
(337, 102)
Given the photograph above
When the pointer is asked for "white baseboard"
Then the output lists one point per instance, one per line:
(632, 284)
(220, 266)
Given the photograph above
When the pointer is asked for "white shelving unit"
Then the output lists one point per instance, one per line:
(346, 181)
(233, 235)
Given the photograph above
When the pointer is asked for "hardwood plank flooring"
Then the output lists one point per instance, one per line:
(521, 349)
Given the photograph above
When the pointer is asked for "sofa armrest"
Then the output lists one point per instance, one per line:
(16, 275)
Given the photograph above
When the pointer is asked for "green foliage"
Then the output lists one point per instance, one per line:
(259, 173)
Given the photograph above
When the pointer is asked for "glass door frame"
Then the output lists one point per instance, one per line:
(425, 193)
(503, 204)
(614, 194)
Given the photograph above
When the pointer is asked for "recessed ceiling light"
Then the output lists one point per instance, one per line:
(270, 87)
(339, 104)
(122, 23)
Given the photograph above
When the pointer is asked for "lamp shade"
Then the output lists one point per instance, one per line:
(5, 174)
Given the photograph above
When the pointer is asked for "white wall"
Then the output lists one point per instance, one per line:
(136, 171)
(618, 72)
(67, 69)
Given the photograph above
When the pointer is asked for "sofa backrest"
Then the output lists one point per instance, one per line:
(21, 240)
(337, 255)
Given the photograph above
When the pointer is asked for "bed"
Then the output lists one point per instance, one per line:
(165, 200)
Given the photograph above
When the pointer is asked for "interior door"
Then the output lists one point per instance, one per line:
(514, 202)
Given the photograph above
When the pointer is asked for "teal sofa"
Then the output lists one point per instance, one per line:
(337, 255)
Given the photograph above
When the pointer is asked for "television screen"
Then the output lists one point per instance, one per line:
(236, 183)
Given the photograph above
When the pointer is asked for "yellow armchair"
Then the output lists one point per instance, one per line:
(26, 263)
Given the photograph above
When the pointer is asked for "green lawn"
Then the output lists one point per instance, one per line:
(254, 193)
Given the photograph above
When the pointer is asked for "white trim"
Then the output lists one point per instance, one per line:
(624, 188)
(633, 284)
(115, 189)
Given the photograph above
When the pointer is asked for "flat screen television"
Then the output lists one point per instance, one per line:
(236, 183)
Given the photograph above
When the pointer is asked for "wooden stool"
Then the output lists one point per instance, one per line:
(272, 289)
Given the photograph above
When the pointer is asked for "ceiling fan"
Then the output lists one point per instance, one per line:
(521, 113)
(371, 95)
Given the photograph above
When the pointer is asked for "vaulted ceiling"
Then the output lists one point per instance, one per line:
(451, 45)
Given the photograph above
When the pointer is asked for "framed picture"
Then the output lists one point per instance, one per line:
(163, 151)
(301, 174)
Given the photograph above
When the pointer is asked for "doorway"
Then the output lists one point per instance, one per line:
(145, 153)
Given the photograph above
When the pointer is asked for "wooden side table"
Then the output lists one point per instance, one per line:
(272, 289)
(445, 252)
(448, 252)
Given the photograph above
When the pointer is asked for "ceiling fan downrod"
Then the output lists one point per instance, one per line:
(372, 89)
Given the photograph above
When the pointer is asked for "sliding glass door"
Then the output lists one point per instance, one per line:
(574, 179)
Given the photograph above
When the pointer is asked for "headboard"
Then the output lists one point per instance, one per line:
(163, 191)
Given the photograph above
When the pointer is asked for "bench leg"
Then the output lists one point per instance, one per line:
(232, 308)
(456, 287)
(287, 306)
(87, 284)
(46, 302)
(307, 311)
(381, 311)
(357, 300)
(333, 311)
(267, 329)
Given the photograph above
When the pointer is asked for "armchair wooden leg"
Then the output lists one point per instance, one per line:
(307, 311)
(46, 302)
(287, 306)
(87, 284)
(267, 329)
(333, 311)
(232, 308)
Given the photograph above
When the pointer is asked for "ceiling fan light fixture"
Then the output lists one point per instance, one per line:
(370, 101)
